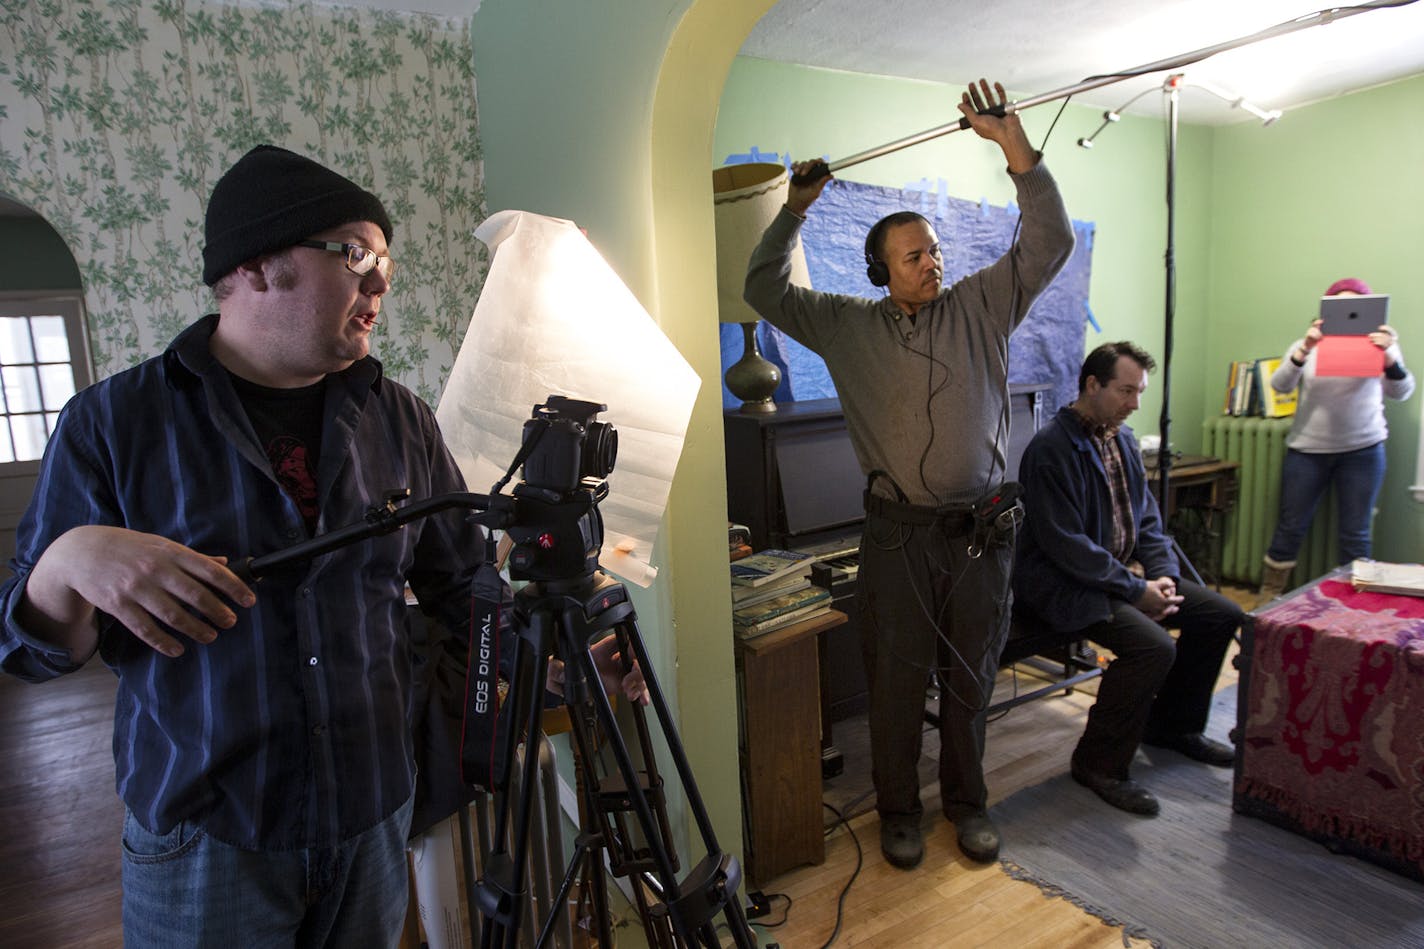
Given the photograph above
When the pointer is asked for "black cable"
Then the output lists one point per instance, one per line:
(859, 862)
(1001, 435)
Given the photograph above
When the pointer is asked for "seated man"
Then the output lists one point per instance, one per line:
(1093, 562)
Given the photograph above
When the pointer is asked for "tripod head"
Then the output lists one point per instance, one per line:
(557, 529)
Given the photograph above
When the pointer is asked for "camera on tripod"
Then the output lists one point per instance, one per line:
(569, 446)
(556, 529)
(568, 607)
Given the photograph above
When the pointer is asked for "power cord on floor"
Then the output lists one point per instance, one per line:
(859, 861)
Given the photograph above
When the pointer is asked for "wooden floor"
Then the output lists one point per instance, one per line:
(59, 852)
(59, 856)
(949, 901)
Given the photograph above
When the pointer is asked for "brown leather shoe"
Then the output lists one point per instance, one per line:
(1125, 794)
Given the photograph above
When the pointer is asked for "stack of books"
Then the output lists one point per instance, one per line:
(1249, 392)
(772, 589)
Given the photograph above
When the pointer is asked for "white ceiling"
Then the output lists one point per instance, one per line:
(1037, 47)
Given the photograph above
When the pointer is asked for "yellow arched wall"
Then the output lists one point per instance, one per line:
(684, 117)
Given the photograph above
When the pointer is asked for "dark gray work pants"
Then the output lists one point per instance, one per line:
(923, 603)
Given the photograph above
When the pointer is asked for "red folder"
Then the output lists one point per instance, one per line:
(1348, 356)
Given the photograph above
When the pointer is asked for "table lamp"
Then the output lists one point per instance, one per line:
(746, 198)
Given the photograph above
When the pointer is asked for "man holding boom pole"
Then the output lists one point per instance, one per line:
(922, 375)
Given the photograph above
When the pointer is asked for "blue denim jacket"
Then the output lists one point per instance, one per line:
(1062, 571)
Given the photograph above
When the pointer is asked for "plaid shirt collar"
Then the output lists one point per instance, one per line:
(1095, 430)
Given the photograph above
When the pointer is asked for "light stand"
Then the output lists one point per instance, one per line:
(1171, 89)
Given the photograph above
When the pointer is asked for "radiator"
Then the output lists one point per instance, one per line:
(1259, 444)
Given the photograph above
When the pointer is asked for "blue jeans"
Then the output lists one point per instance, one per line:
(1357, 476)
(184, 889)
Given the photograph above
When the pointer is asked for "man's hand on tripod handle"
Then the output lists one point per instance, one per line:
(609, 663)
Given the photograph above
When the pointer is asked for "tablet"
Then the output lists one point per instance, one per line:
(1353, 315)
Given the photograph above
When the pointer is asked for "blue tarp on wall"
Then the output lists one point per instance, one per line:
(1047, 347)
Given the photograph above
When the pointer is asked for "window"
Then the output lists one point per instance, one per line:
(43, 361)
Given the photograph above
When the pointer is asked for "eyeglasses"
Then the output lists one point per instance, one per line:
(359, 260)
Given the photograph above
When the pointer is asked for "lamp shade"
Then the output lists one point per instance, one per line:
(746, 198)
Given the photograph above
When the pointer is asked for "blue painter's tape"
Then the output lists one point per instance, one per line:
(1092, 320)
(755, 154)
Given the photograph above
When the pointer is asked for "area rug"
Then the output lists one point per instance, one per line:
(1199, 875)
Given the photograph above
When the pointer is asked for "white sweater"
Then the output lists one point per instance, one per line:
(1338, 413)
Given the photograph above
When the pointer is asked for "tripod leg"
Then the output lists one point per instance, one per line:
(712, 885)
(502, 890)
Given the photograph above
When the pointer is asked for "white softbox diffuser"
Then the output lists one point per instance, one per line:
(554, 319)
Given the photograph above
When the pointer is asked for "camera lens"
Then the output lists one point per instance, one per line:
(600, 450)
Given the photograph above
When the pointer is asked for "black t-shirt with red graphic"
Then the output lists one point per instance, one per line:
(288, 426)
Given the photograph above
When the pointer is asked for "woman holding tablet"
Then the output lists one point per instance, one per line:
(1337, 438)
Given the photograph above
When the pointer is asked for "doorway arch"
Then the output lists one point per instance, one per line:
(44, 352)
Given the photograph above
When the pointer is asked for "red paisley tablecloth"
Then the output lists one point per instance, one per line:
(1333, 730)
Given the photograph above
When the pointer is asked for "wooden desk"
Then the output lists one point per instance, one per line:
(781, 747)
(1201, 491)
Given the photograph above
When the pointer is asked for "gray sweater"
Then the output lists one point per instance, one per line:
(924, 402)
(1338, 413)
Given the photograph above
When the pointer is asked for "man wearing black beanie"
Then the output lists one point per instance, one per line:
(262, 734)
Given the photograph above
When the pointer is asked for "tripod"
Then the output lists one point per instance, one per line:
(625, 806)
(568, 607)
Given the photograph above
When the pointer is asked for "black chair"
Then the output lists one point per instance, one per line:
(1064, 660)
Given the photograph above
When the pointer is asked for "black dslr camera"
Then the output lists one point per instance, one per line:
(569, 445)
(557, 530)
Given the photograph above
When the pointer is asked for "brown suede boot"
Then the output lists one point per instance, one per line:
(1275, 575)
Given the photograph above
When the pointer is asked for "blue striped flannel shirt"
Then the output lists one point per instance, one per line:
(292, 729)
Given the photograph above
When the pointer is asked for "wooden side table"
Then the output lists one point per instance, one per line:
(779, 685)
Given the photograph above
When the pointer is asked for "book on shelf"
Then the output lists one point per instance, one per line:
(1273, 404)
(784, 620)
(779, 605)
(770, 565)
(1249, 392)
(746, 596)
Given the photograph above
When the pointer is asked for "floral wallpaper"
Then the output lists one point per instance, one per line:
(117, 116)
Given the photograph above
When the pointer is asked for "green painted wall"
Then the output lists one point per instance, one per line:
(1330, 191)
(1119, 185)
(1266, 219)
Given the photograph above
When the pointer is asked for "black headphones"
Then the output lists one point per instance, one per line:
(875, 268)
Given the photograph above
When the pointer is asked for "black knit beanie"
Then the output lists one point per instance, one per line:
(273, 198)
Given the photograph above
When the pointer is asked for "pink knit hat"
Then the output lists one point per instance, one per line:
(1351, 284)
